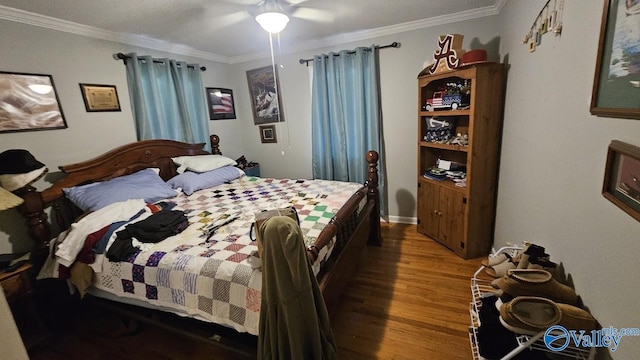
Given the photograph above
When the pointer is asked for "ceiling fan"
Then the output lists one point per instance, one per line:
(289, 8)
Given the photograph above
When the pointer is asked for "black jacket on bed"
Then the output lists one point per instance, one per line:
(153, 229)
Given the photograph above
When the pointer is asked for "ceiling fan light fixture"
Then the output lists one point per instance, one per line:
(272, 22)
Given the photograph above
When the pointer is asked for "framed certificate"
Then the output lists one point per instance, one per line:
(100, 97)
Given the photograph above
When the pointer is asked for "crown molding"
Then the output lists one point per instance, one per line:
(383, 31)
(29, 18)
(25, 17)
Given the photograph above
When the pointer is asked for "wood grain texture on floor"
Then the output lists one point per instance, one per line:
(409, 300)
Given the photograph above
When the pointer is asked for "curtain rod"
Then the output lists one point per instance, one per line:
(394, 44)
(123, 57)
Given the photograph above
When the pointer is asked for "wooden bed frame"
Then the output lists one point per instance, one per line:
(133, 157)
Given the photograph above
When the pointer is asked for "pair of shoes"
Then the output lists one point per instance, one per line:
(530, 315)
(530, 252)
(535, 282)
(542, 263)
(501, 268)
(497, 266)
(497, 259)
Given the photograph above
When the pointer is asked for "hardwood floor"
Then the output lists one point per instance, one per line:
(409, 300)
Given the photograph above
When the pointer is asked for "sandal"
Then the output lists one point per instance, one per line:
(495, 260)
(500, 270)
(530, 250)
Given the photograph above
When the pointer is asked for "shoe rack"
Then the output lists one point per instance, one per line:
(481, 286)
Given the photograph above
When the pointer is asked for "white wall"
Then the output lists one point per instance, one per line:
(552, 164)
(73, 59)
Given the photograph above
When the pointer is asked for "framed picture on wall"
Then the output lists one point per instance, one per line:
(100, 97)
(616, 84)
(264, 89)
(220, 102)
(622, 177)
(268, 134)
(29, 102)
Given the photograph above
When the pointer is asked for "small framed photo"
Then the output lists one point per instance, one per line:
(220, 102)
(268, 134)
(544, 27)
(622, 177)
(100, 97)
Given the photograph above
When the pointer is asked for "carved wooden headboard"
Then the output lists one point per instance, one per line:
(120, 161)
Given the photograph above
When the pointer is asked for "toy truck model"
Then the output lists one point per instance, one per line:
(442, 101)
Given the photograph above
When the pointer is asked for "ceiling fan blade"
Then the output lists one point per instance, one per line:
(312, 14)
(230, 18)
(241, 2)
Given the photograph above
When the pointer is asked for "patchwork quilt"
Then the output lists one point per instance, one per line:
(219, 279)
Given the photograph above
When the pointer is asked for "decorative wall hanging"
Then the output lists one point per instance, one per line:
(622, 177)
(268, 134)
(447, 56)
(100, 97)
(264, 89)
(29, 102)
(549, 19)
(616, 84)
(220, 102)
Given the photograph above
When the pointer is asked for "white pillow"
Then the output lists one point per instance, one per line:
(190, 181)
(202, 163)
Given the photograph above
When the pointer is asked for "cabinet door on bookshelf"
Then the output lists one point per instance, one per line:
(428, 203)
(452, 205)
(441, 214)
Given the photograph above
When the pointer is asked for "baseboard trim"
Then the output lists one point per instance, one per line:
(400, 219)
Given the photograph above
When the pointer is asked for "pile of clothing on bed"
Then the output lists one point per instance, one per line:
(125, 228)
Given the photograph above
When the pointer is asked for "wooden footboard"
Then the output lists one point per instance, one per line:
(343, 267)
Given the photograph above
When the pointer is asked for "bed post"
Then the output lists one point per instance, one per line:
(37, 226)
(215, 144)
(375, 237)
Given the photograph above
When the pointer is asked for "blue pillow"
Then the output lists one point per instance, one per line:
(191, 182)
(145, 184)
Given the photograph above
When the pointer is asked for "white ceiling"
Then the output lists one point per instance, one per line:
(224, 30)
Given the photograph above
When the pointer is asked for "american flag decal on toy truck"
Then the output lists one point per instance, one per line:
(440, 100)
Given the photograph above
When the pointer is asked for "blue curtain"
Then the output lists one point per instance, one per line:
(168, 100)
(346, 116)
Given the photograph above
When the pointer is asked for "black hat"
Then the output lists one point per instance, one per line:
(18, 168)
(18, 161)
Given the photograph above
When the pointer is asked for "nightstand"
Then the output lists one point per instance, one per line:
(18, 288)
(253, 170)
